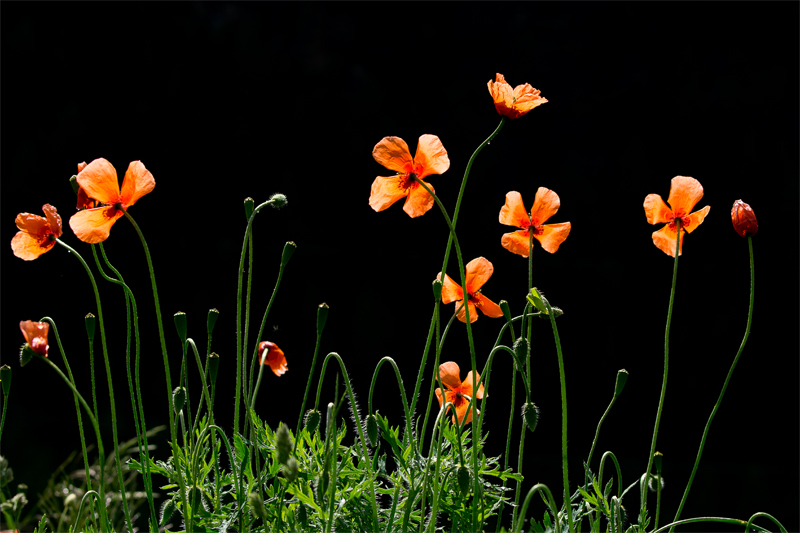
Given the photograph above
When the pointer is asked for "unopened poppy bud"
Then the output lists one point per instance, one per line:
(463, 480)
(312, 420)
(178, 398)
(278, 200)
(283, 443)
(257, 505)
(521, 349)
(744, 219)
(180, 325)
(291, 470)
(73, 181)
(322, 317)
(506, 310)
(89, 321)
(211, 321)
(531, 415)
(213, 366)
(622, 378)
(249, 205)
(167, 508)
(5, 377)
(437, 290)
(372, 430)
(288, 250)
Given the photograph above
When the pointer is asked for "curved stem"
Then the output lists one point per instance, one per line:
(308, 388)
(718, 520)
(756, 515)
(551, 505)
(399, 384)
(724, 385)
(88, 493)
(596, 436)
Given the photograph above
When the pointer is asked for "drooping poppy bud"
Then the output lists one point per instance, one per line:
(744, 219)
(312, 420)
(372, 430)
(278, 200)
(463, 480)
(178, 398)
(167, 508)
(291, 470)
(257, 505)
(521, 350)
(531, 415)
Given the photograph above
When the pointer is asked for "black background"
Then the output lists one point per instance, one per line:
(223, 101)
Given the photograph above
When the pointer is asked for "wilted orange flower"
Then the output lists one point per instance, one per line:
(684, 193)
(513, 103)
(545, 205)
(478, 272)
(35, 334)
(457, 392)
(273, 357)
(392, 153)
(99, 182)
(36, 235)
(744, 219)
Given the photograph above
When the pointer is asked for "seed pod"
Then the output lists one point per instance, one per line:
(180, 325)
(213, 366)
(288, 250)
(744, 219)
(531, 415)
(213, 315)
(312, 420)
(5, 377)
(89, 322)
(322, 317)
(249, 205)
(463, 480)
(372, 430)
(622, 378)
(437, 290)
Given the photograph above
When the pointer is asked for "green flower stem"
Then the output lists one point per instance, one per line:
(750, 522)
(334, 472)
(172, 424)
(437, 358)
(510, 423)
(95, 498)
(104, 526)
(141, 431)
(715, 519)
(658, 496)
(110, 384)
(440, 420)
(3, 419)
(619, 472)
(249, 391)
(596, 436)
(550, 505)
(231, 457)
(308, 388)
(727, 380)
(421, 371)
(399, 383)
(643, 493)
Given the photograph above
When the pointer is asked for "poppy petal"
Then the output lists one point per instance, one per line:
(664, 239)
(32, 224)
(277, 361)
(684, 193)
(479, 270)
(462, 313)
(393, 153)
(450, 375)
(656, 210)
(517, 242)
(28, 247)
(488, 307)
(419, 201)
(463, 409)
(513, 212)
(553, 235)
(438, 392)
(99, 181)
(526, 98)
(386, 191)
(696, 218)
(545, 205)
(451, 291)
(466, 387)
(137, 182)
(53, 219)
(502, 94)
(431, 157)
(94, 225)
(35, 334)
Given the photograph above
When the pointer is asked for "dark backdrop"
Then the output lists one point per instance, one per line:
(224, 101)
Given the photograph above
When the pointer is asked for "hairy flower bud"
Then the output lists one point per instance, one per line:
(283, 443)
(257, 505)
(530, 413)
(5, 377)
(278, 200)
(463, 480)
(312, 420)
(372, 430)
(178, 399)
(744, 219)
(291, 470)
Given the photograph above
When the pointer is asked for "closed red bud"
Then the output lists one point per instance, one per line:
(744, 219)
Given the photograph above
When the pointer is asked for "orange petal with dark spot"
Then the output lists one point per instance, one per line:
(94, 225)
(393, 153)
(513, 212)
(656, 210)
(431, 157)
(553, 235)
(137, 182)
(684, 193)
(99, 180)
(419, 201)
(517, 242)
(478, 272)
(386, 191)
(665, 238)
(450, 375)
(545, 205)
(696, 218)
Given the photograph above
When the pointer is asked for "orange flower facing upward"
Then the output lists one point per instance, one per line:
(545, 205)
(270, 354)
(392, 153)
(457, 392)
(513, 103)
(35, 334)
(36, 234)
(684, 193)
(478, 272)
(98, 180)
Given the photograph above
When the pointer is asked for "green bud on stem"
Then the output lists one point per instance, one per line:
(249, 205)
(322, 317)
(213, 366)
(5, 377)
(178, 399)
(89, 321)
(288, 250)
(211, 321)
(622, 378)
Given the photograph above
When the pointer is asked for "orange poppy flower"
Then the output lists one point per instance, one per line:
(513, 103)
(545, 205)
(392, 153)
(84, 202)
(35, 334)
(478, 272)
(99, 182)
(457, 392)
(36, 235)
(273, 357)
(684, 193)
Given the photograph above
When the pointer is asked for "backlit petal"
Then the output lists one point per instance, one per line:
(137, 182)
(33, 224)
(488, 307)
(277, 362)
(684, 193)
(450, 375)
(451, 291)
(553, 235)
(526, 98)
(93, 225)
(545, 205)
(479, 271)
(53, 219)
(466, 387)
(419, 201)
(99, 181)
(35, 334)
(503, 96)
(516, 242)
(513, 213)
(664, 239)
(463, 408)
(28, 247)
(386, 191)
(393, 153)
(696, 218)
(656, 210)
(431, 157)
(462, 313)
